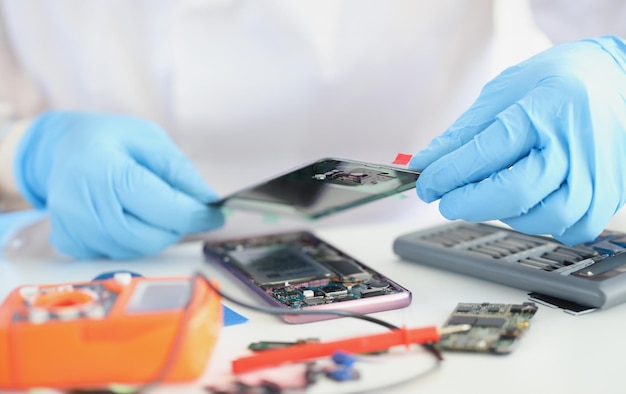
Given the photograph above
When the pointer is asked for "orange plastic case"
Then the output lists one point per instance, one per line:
(125, 329)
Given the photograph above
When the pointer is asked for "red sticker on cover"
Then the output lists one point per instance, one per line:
(402, 159)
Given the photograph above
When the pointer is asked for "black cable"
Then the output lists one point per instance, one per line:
(177, 342)
(338, 312)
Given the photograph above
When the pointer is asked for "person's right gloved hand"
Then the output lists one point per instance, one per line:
(114, 186)
(543, 148)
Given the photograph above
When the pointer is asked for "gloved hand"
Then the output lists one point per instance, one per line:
(114, 186)
(542, 149)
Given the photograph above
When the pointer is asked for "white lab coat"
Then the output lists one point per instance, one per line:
(250, 88)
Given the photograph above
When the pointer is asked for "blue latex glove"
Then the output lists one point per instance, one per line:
(542, 149)
(114, 186)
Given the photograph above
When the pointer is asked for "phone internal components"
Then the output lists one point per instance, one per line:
(299, 270)
(279, 264)
(355, 176)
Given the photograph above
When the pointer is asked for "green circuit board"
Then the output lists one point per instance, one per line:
(494, 328)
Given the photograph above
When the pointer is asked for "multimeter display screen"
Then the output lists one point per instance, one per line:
(160, 296)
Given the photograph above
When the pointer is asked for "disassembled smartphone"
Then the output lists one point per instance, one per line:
(323, 187)
(297, 270)
(592, 275)
(494, 328)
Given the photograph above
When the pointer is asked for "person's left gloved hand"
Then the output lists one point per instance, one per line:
(114, 186)
(542, 149)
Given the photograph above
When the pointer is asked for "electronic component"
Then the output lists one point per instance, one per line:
(323, 187)
(279, 264)
(377, 373)
(124, 329)
(348, 269)
(354, 177)
(343, 369)
(592, 274)
(298, 270)
(494, 328)
(267, 345)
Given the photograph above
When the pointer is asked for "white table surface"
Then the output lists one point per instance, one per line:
(560, 353)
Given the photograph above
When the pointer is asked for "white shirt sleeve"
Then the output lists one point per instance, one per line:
(566, 20)
(10, 198)
(20, 101)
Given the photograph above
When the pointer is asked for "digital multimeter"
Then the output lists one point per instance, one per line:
(124, 329)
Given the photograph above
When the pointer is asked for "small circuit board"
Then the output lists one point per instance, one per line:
(494, 328)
